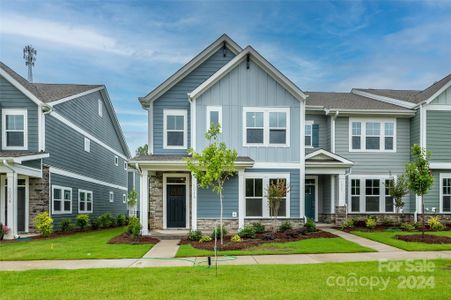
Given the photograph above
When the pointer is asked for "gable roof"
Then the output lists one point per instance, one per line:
(325, 158)
(294, 90)
(222, 41)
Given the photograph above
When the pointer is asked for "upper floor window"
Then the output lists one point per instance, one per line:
(266, 126)
(175, 129)
(124, 198)
(111, 197)
(372, 135)
(87, 145)
(15, 129)
(116, 161)
(125, 165)
(100, 107)
(61, 200)
(214, 116)
(308, 135)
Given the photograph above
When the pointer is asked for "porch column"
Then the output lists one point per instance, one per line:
(332, 194)
(11, 205)
(144, 202)
(341, 190)
(193, 202)
(241, 202)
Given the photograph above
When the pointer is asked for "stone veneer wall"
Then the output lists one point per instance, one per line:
(207, 225)
(268, 223)
(38, 196)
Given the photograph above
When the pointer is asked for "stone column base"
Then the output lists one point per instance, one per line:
(340, 214)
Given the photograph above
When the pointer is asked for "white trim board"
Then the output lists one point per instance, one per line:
(62, 100)
(389, 100)
(62, 172)
(177, 113)
(20, 87)
(15, 112)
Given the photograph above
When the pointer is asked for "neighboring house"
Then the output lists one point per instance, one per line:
(337, 151)
(62, 151)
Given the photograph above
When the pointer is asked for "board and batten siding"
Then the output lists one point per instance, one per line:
(177, 98)
(323, 134)
(208, 205)
(439, 135)
(83, 112)
(443, 99)
(11, 97)
(241, 88)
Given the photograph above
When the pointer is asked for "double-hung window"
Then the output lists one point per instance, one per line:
(61, 200)
(85, 201)
(266, 127)
(254, 197)
(389, 201)
(175, 129)
(308, 134)
(370, 194)
(356, 133)
(445, 193)
(15, 129)
(214, 117)
(372, 135)
(355, 195)
(282, 212)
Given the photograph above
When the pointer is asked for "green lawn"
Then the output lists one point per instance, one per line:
(87, 245)
(319, 245)
(232, 282)
(388, 237)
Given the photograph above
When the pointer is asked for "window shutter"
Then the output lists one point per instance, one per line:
(315, 135)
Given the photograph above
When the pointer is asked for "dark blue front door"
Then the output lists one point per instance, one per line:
(176, 206)
(310, 198)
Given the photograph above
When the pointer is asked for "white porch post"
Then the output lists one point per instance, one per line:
(341, 190)
(12, 205)
(241, 202)
(302, 161)
(193, 202)
(332, 194)
(144, 202)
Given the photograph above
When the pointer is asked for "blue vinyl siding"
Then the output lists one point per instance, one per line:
(208, 205)
(320, 135)
(176, 98)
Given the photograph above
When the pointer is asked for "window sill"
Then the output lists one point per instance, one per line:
(14, 148)
(266, 145)
(372, 151)
(175, 148)
(84, 212)
(61, 213)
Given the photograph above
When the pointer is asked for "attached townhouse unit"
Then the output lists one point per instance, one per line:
(338, 152)
(62, 151)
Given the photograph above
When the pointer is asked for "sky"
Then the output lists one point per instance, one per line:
(133, 46)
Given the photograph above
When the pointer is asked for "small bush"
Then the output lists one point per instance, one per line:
(106, 220)
(205, 238)
(134, 227)
(435, 224)
(285, 226)
(407, 227)
(95, 223)
(66, 225)
(259, 228)
(269, 236)
(217, 232)
(236, 238)
(121, 220)
(43, 224)
(194, 235)
(370, 223)
(310, 225)
(248, 232)
(348, 223)
(82, 221)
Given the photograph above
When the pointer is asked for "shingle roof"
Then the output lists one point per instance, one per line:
(18, 153)
(334, 100)
(47, 92)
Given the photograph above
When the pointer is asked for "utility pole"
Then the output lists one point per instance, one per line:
(29, 54)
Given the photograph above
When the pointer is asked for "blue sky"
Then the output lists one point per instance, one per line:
(132, 46)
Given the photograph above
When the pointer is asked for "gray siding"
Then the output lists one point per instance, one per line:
(83, 111)
(324, 131)
(11, 97)
(439, 135)
(251, 87)
(432, 198)
(66, 148)
(415, 129)
(208, 205)
(443, 99)
(36, 164)
(176, 98)
(100, 195)
(324, 194)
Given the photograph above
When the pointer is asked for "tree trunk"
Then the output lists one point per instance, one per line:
(422, 216)
(220, 220)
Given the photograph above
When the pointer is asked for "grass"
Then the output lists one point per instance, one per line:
(318, 245)
(232, 282)
(88, 245)
(388, 237)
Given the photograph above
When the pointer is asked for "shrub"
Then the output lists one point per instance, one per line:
(348, 223)
(106, 220)
(259, 228)
(217, 232)
(66, 225)
(205, 238)
(407, 227)
(82, 221)
(43, 224)
(121, 220)
(236, 238)
(370, 223)
(285, 226)
(3, 230)
(247, 232)
(269, 236)
(435, 224)
(134, 227)
(95, 223)
(310, 225)
(194, 235)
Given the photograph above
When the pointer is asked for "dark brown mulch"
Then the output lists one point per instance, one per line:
(428, 238)
(127, 238)
(280, 237)
(387, 228)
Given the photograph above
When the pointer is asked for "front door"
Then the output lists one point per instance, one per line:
(21, 210)
(176, 205)
(310, 198)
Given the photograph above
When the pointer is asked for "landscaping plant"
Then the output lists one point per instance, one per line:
(347, 223)
(285, 226)
(214, 166)
(370, 223)
(66, 225)
(398, 189)
(121, 220)
(132, 199)
(235, 238)
(259, 228)
(82, 221)
(435, 224)
(43, 224)
(217, 232)
(106, 220)
(205, 238)
(247, 232)
(310, 225)
(420, 176)
(134, 227)
(276, 193)
(95, 223)
(194, 235)
(4, 230)
(407, 227)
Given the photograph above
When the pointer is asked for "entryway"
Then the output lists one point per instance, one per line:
(311, 205)
(175, 200)
(22, 202)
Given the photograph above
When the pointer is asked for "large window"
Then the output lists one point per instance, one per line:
(355, 195)
(84, 201)
(254, 197)
(389, 201)
(214, 116)
(266, 126)
(175, 129)
(14, 125)
(308, 134)
(282, 212)
(372, 135)
(61, 200)
(370, 194)
(445, 193)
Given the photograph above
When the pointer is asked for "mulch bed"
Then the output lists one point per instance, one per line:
(428, 238)
(127, 238)
(280, 237)
(386, 228)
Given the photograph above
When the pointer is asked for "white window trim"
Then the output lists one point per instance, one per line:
(362, 203)
(266, 127)
(363, 122)
(100, 107)
(309, 123)
(116, 160)
(265, 208)
(62, 188)
(124, 198)
(92, 201)
(125, 165)
(175, 112)
(87, 144)
(209, 110)
(111, 197)
(443, 176)
(15, 111)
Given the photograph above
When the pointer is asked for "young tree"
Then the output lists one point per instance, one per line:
(213, 166)
(142, 150)
(398, 189)
(419, 175)
(276, 193)
(132, 199)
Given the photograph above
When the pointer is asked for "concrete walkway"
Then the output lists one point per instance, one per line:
(164, 249)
